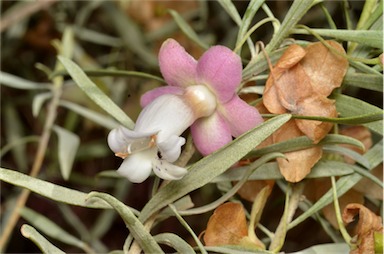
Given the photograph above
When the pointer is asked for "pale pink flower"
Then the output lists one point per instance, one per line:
(217, 75)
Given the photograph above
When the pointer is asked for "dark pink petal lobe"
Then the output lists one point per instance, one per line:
(210, 134)
(240, 116)
(176, 65)
(220, 69)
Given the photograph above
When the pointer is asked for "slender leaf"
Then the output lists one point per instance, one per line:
(139, 232)
(365, 37)
(68, 145)
(189, 229)
(38, 102)
(49, 228)
(175, 242)
(345, 183)
(98, 118)
(187, 29)
(19, 83)
(325, 248)
(304, 142)
(324, 168)
(230, 8)
(44, 245)
(252, 8)
(362, 80)
(348, 107)
(211, 166)
(295, 13)
(50, 190)
(130, 33)
(95, 93)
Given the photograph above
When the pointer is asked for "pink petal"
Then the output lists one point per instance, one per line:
(220, 68)
(210, 133)
(149, 96)
(177, 66)
(240, 116)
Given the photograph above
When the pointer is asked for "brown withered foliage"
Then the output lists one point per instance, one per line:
(299, 84)
(228, 226)
(368, 224)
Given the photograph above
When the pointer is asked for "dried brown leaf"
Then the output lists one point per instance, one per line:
(360, 133)
(227, 225)
(368, 224)
(326, 68)
(297, 164)
(374, 191)
(315, 106)
(251, 189)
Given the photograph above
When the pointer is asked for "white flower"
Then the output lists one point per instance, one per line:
(155, 142)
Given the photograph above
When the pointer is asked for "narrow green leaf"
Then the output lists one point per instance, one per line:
(345, 183)
(326, 248)
(365, 37)
(49, 228)
(50, 190)
(38, 102)
(189, 229)
(348, 107)
(94, 116)
(139, 232)
(304, 142)
(203, 171)
(242, 178)
(297, 10)
(253, 7)
(67, 148)
(130, 33)
(187, 29)
(175, 242)
(362, 80)
(19, 83)
(112, 73)
(324, 168)
(95, 92)
(44, 245)
(230, 8)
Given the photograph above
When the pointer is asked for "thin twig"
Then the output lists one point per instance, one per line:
(36, 167)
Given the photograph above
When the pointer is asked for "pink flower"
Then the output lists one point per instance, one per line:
(217, 74)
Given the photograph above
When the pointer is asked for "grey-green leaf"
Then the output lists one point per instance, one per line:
(44, 245)
(19, 83)
(136, 228)
(349, 106)
(365, 37)
(92, 115)
(49, 228)
(203, 171)
(187, 29)
(50, 190)
(67, 148)
(95, 92)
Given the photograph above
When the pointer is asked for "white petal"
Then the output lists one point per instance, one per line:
(137, 167)
(170, 149)
(168, 114)
(168, 171)
(115, 141)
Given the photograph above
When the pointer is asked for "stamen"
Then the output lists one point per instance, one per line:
(122, 155)
(141, 144)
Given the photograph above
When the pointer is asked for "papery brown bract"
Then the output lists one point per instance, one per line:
(368, 224)
(297, 164)
(300, 83)
(227, 225)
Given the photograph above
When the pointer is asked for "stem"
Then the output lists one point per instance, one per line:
(36, 167)
(293, 198)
